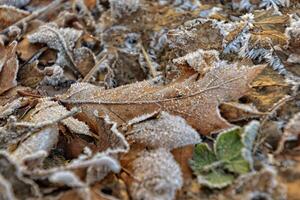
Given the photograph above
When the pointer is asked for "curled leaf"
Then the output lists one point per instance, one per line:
(159, 176)
(165, 131)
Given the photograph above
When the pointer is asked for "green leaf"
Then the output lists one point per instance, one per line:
(228, 145)
(238, 165)
(248, 138)
(203, 157)
(231, 156)
(216, 179)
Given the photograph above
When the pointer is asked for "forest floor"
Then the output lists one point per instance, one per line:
(149, 99)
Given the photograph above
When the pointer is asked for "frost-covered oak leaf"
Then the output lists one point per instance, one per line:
(194, 99)
(159, 176)
(165, 130)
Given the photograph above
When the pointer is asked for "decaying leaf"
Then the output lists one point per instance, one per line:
(158, 176)
(164, 131)
(63, 40)
(195, 100)
(20, 186)
(9, 66)
(10, 15)
(120, 95)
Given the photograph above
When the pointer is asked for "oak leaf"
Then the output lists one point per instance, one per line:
(195, 100)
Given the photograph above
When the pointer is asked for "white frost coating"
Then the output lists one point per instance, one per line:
(51, 111)
(293, 31)
(15, 3)
(166, 131)
(66, 178)
(10, 108)
(248, 138)
(6, 190)
(159, 176)
(56, 38)
(42, 140)
(61, 39)
(274, 4)
(35, 159)
(56, 77)
(121, 8)
(199, 60)
(122, 144)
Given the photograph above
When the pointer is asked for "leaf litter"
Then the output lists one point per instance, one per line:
(140, 99)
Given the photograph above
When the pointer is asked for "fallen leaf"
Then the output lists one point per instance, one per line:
(158, 176)
(165, 130)
(231, 156)
(9, 68)
(9, 15)
(195, 100)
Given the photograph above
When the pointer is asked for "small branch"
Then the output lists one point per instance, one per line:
(94, 69)
(148, 61)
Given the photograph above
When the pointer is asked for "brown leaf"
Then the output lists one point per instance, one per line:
(9, 15)
(233, 111)
(9, 70)
(195, 100)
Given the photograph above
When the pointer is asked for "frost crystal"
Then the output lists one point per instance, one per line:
(43, 140)
(274, 4)
(200, 60)
(56, 77)
(66, 178)
(15, 3)
(159, 176)
(61, 39)
(121, 8)
(56, 38)
(166, 131)
(50, 108)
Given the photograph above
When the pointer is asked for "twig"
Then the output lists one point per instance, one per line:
(94, 69)
(148, 61)
(35, 14)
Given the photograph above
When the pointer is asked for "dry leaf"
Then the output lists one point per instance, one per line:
(195, 100)
(158, 176)
(16, 183)
(9, 66)
(165, 130)
(9, 15)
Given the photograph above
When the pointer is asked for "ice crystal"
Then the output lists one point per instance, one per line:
(242, 46)
(121, 8)
(66, 178)
(21, 187)
(181, 5)
(159, 175)
(274, 4)
(56, 77)
(200, 60)
(166, 131)
(61, 39)
(45, 108)
(42, 140)
(15, 3)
